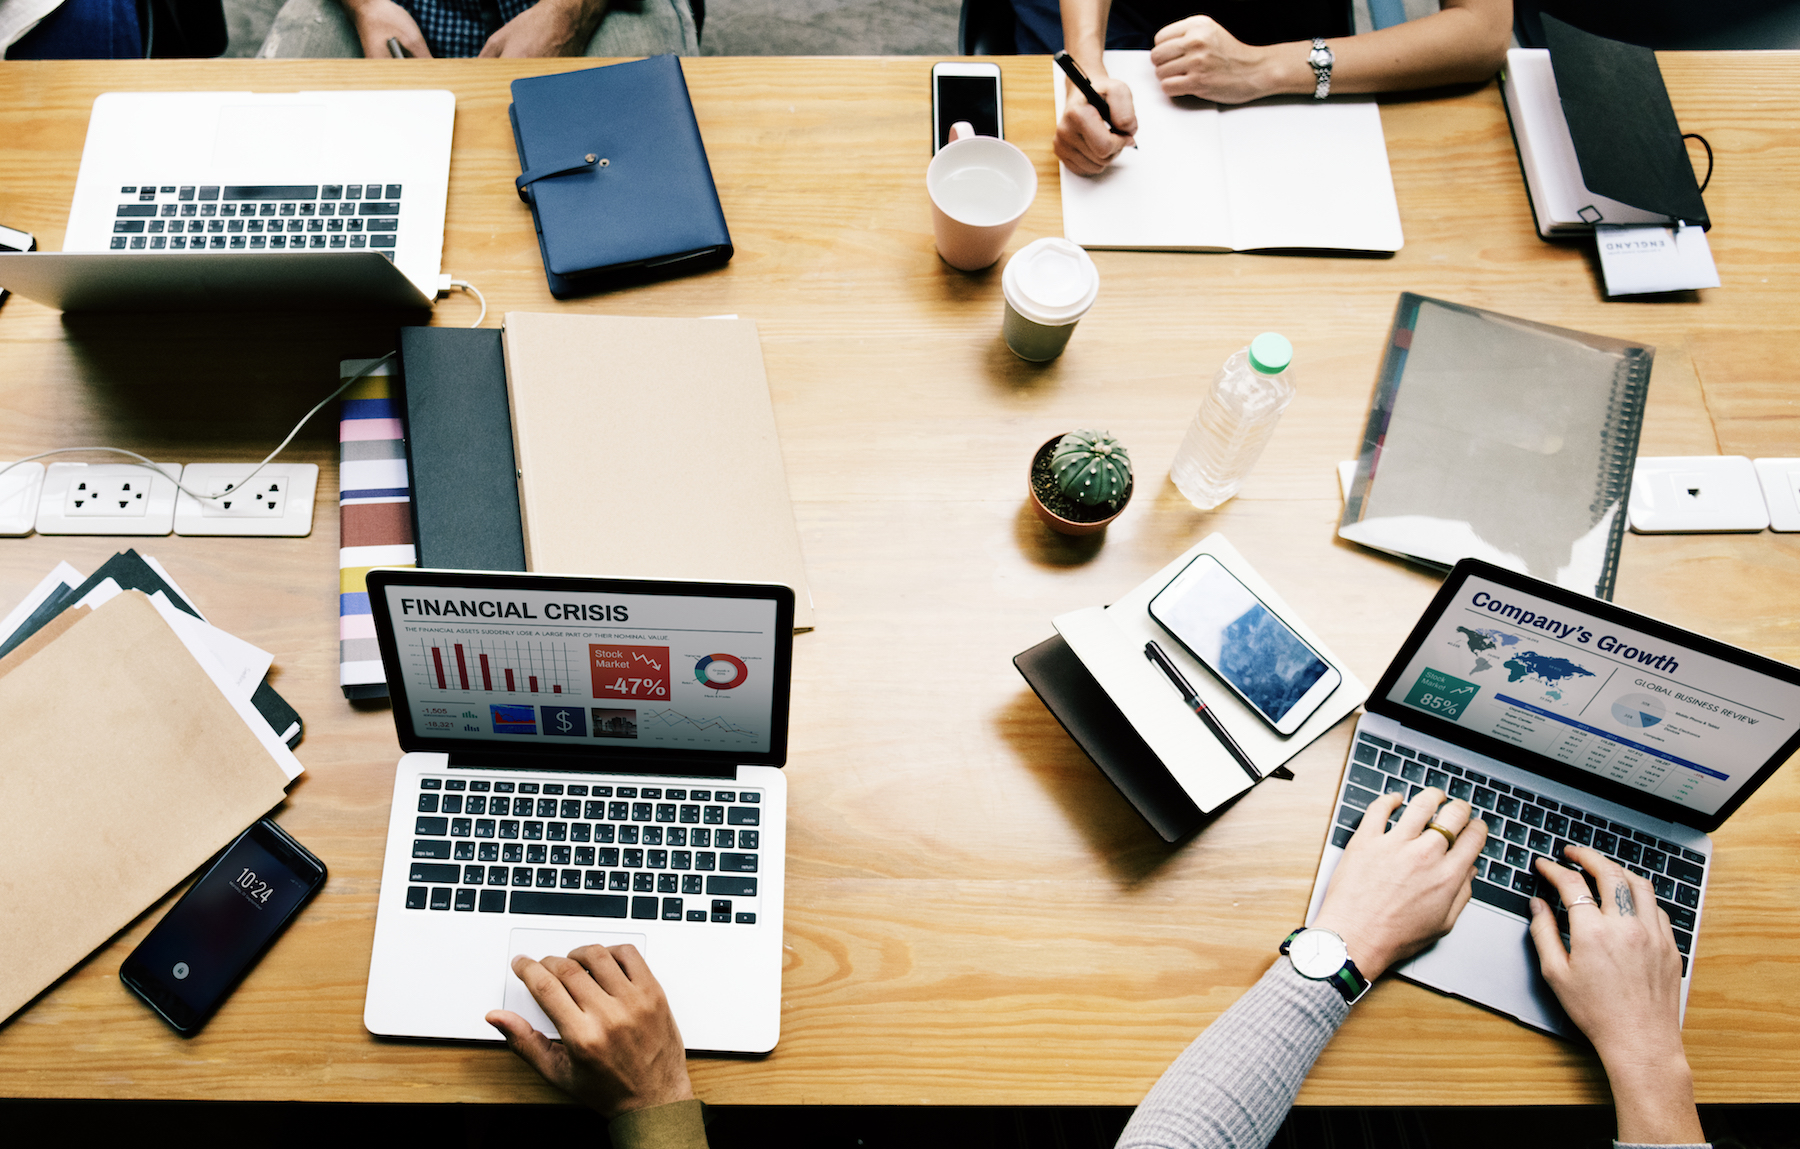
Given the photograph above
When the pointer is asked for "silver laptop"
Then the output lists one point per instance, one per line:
(587, 761)
(1562, 719)
(236, 200)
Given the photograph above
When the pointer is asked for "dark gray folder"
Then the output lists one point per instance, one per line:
(459, 450)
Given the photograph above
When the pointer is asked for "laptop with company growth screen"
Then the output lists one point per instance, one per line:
(587, 761)
(233, 200)
(1563, 720)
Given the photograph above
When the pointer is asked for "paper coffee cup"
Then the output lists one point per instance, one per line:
(1049, 285)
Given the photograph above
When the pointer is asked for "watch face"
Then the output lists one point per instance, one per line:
(1317, 953)
(1319, 57)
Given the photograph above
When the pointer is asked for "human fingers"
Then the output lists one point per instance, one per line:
(1611, 889)
(1418, 812)
(1546, 935)
(1469, 839)
(549, 1058)
(1374, 820)
(1074, 146)
(1117, 94)
(602, 966)
(632, 964)
(583, 987)
(547, 989)
(1571, 887)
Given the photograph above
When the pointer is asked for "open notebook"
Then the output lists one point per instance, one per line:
(1279, 173)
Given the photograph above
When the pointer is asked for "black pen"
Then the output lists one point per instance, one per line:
(1155, 654)
(1079, 78)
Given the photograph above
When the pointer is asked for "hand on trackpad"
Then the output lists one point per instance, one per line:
(537, 944)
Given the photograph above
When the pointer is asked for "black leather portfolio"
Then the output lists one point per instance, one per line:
(614, 169)
(459, 450)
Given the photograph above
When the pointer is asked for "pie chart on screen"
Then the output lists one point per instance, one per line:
(1639, 711)
(720, 671)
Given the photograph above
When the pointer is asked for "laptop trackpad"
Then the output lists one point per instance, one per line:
(536, 944)
(1489, 958)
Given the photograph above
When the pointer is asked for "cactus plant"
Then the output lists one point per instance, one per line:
(1091, 467)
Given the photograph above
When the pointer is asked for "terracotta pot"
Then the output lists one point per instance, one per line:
(1055, 521)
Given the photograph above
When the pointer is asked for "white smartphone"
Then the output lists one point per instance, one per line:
(1228, 630)
(969, 92)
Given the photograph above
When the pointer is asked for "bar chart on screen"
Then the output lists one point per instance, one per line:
(495, 666)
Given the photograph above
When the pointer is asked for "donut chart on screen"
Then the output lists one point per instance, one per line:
(720, 671)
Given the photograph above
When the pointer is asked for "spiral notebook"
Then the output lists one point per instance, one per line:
(1500, 439)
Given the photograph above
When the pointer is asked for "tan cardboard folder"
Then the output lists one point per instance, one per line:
(647, 448)
(122, 769)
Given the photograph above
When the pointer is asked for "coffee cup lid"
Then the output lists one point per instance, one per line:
(1051, 281)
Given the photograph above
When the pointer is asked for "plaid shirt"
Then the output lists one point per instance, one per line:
(461, 27)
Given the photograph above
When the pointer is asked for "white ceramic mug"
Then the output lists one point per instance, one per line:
(980, 188)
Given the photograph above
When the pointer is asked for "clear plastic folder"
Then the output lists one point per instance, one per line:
(1501, 439)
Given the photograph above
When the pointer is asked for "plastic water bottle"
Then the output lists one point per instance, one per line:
(1235, 421)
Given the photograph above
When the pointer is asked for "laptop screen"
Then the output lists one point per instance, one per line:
(1620, 705)
(586, 667)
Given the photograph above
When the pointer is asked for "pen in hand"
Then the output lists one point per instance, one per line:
(396, 50)
(1079, 78)
(1155, 654)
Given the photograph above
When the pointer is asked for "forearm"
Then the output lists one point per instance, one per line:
(1458, 45)
(1655, 1103)
(1232, 1088)
(1084, 33)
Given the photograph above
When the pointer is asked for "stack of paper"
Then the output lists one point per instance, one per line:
(136, 739)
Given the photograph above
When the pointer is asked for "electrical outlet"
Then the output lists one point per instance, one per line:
(19, 487)
(276, 501)
(1781, 490)
(107, 499)
(1697, 494)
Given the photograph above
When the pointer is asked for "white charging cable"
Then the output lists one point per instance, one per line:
(367, 369)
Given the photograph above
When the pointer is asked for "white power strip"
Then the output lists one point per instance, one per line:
(19, 487)
(130, 499)
(107, 499)
(278, 501)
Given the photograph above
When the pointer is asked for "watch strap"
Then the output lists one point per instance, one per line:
(1347, 980)
(1321, 58)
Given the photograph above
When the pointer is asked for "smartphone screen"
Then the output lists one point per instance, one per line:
(975, 98)
(211, 937)
(1229, 631)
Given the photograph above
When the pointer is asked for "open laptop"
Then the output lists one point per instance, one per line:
(238, 200)
(1562, 719)
(587, 761)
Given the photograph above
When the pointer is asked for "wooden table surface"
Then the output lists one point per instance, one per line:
(974, 916)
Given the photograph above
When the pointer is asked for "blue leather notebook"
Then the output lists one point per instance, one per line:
(615, 172)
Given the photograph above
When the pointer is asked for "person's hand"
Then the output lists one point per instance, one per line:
(547, 28)
(1198, 57)
(1395, 893)
(378, 21)
(620, 1048)
(1083, 141)
(1620, 981)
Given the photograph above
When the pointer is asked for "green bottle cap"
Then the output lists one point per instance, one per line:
(1270, 353)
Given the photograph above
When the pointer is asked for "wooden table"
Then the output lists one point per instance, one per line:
(974, 915)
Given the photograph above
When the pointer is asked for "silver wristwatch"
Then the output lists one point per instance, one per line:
(1321, 60)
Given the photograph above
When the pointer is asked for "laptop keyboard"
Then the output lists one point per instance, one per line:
(573, 850)
(1522, 827)
(275, 217)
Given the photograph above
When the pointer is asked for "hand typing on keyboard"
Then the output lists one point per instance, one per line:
(1398, 890)
(1620, 981)
(620, 1049)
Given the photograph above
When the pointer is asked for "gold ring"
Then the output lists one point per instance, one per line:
(1449, 837)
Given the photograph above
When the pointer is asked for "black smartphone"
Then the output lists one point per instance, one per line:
(965, 91)
(208, 940)
(13, 240)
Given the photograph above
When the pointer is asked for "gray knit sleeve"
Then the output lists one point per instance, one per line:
(1232, 1088)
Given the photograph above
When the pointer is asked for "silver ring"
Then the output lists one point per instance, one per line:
(1584, 900)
